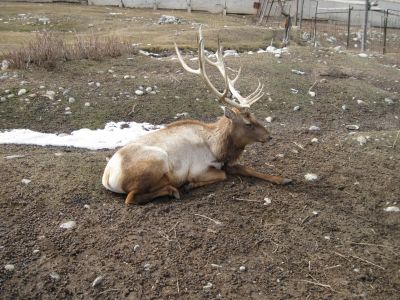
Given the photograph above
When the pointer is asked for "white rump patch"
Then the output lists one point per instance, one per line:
(112, 136)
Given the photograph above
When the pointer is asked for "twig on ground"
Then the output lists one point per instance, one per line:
(319, 284)
(395, 141)
(368, 262)
(107, 291)
(247, 200)
(177, 285)
(368, 244)
(133, 109)
(341, 255)
(298, 145)
(309, 265)
(332, 267)
(314, 84)
(208, 218)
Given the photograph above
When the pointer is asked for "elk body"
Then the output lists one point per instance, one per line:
(190, 153)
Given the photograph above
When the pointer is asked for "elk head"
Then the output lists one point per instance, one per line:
(246, 129)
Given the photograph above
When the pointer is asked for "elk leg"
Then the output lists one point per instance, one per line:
(212, 175)
(167, 190)
(246, 171)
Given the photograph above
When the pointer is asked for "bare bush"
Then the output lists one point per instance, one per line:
(49, 51)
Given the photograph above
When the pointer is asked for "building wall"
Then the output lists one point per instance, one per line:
(214, 6)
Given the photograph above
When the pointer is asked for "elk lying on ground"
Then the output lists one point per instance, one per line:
(190, 153)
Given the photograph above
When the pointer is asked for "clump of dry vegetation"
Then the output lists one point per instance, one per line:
(49, 50)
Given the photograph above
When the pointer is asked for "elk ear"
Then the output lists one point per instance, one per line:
(230, 114)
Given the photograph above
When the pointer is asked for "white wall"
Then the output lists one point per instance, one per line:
(214, 6)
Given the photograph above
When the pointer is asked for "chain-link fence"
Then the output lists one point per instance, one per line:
(343, 28)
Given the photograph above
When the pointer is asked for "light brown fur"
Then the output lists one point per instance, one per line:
(226, 138)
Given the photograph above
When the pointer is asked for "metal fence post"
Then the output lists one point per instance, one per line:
(301, 13)
(315, 25)
(348, 27)
(385, 23)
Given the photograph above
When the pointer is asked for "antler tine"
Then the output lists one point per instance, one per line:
(184, 65)
(243, 102)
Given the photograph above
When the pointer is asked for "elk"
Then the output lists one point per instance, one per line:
(189, 154)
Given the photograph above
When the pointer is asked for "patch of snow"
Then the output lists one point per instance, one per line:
(311, 177)
(26, 181)
(363, 55)
(68, 225)
(112, 136)
(392, 209)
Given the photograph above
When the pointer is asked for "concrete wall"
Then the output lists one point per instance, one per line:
(214, 6)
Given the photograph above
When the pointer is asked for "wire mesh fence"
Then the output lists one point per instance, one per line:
(343, 28)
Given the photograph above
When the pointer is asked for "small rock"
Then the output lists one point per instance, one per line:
(147, 267)
(149, 89)
(267, 201)
(298, 72)
(5, 64)
(127, 77)
(315, 141)
(362, 140)
(311, 93)
(9, 267)
(55, 276)
(41, 87)
(294, 91)
(98, 84)
(10, 96)
(344, 107)
(68, 108)
(327, 237)
(36, 251)
(87, 104)
(314, 128)
(26, 181)
(389, 101)
(139, 92)
(242, 268)
(208, 286)
(97, 281)
(392, 209)
(71, 99)
(50, 95)
(86, 206)
(269, 119)
(32, 95)
(315, 213)
(231, 53)
(68, 225)
(2, 99)
(22, 92)
(311, 177)
(296, 108)
(90, 83)
(352, 127)
(360, 102)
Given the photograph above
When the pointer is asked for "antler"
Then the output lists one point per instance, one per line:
(242, 102)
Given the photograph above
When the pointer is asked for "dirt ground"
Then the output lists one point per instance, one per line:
(324, 239)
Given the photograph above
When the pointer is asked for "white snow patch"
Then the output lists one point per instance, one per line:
(68, 225)
(392, 209)
(311, 177)
(112, 136)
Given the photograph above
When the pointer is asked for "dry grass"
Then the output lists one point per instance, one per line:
(49, 50)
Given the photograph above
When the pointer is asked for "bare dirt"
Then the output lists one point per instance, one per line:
(325, 239)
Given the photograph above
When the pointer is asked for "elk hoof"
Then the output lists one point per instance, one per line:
(286, 181)
(188, 187)
(176, 195)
